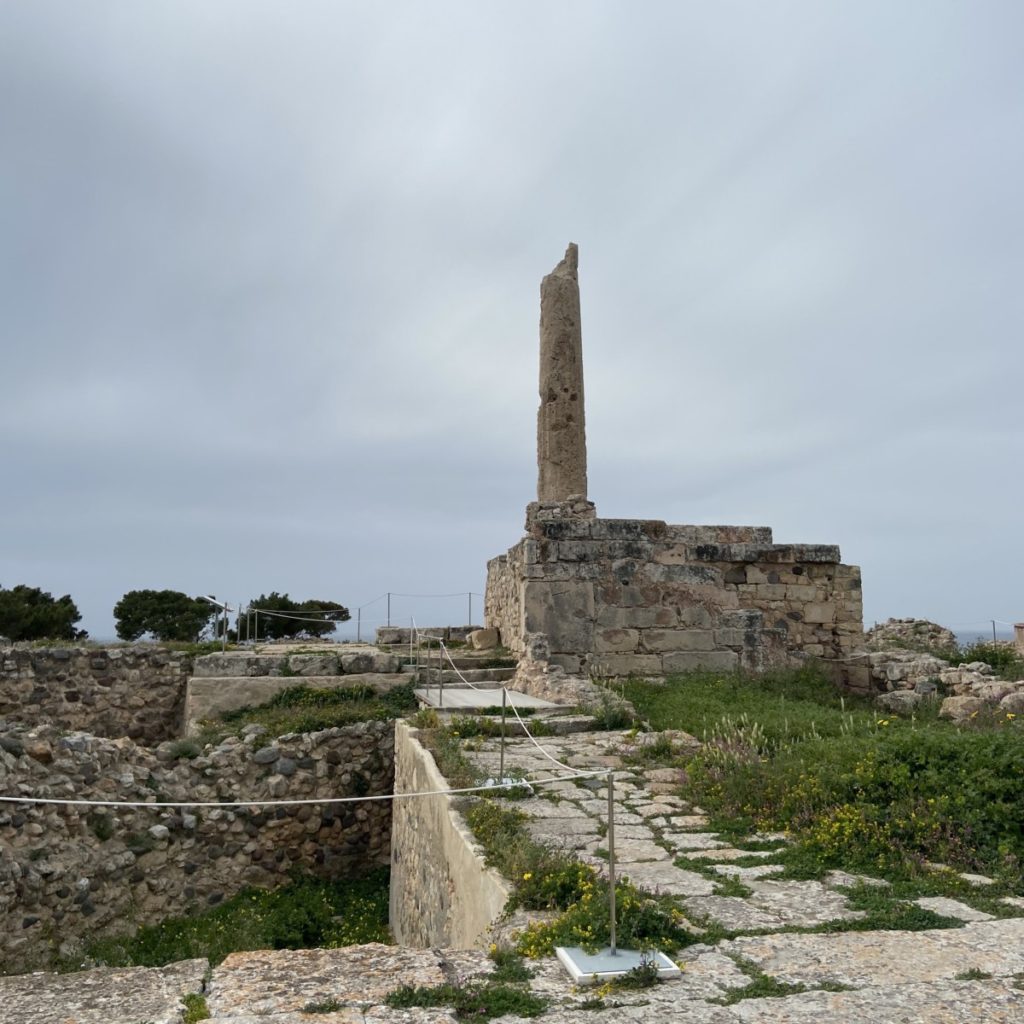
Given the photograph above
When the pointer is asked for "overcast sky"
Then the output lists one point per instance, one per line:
(269, 288)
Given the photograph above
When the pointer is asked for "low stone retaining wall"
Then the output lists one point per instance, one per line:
(138, 692)
(67, 872)
(442, 893)
(344, 660)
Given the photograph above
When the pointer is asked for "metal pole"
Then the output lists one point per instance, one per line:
(440, 678)
(501, 758)
(993, 631)
(469, 621)
(256, 626)
(224, 630)
(359, 625)
(611, 860)
(389, 607)
(411, 623)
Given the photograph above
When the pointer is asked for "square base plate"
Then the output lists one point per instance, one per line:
(595, 968)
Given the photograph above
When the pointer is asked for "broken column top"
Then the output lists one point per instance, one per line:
(561, 434)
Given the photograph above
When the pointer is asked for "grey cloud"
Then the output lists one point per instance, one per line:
(268, 286)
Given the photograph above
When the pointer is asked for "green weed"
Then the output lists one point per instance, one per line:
(195, 1008)
(476, 1000)
(306, 913)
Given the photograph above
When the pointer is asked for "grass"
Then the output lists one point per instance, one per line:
(308, 709)
(855, 788)
(306, 913)
(195, 1008)
(546, 879)
(502, 992)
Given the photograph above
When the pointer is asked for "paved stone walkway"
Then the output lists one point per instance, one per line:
(862, 977)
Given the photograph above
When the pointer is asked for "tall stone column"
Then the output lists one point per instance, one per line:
(561, 435)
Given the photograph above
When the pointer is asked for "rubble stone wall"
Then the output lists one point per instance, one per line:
(442, 894)
(67, 872)
(138, 692)
(620, 597)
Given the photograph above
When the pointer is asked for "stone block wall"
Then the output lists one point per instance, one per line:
(138, 692)
(67, 872)
(345, 660)
(619, 597)
(442, 893)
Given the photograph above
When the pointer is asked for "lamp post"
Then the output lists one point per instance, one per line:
(222, 610)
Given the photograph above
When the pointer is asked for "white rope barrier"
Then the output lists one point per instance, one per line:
(225, 805)
(508, 698)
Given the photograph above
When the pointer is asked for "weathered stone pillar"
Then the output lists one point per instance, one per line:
(561, 435)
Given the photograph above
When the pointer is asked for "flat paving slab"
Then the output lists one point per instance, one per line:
(106, 995)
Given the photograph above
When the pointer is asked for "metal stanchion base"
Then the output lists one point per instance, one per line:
(595, 968)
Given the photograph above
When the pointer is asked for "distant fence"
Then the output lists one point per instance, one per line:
(388, 609)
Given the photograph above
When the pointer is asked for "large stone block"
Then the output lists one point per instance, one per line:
(819, 613)
(564, 611)
(575, 551)
(687, 575)
(625, 665)
(637, 618)
(615, 640)
(741, 618)
(627, 529)
(661, 640)
(695, 615)
(677, 554)
(688, 661)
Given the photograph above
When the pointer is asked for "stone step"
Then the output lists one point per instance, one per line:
(461, 659)
(471, 675)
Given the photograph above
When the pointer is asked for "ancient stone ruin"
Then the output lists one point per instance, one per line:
(618, 597)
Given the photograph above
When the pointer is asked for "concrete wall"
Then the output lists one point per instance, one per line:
(620, 597)
(137, 692)
(67, 872)
(442, 894)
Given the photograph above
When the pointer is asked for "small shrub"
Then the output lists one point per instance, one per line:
(324, 1006)
(644, 975)
(185, 750)
(508, 966)
(1003, 657)
(140, 842)
(102, 826)
(612, 712)
(195, 1008)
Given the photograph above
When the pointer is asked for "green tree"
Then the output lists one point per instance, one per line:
(163, 614)
(28, 613)
(296, 618)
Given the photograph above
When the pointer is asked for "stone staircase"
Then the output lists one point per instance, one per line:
(237, 679)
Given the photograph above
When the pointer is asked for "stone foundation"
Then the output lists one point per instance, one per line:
(71, 872)
(619, 597)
